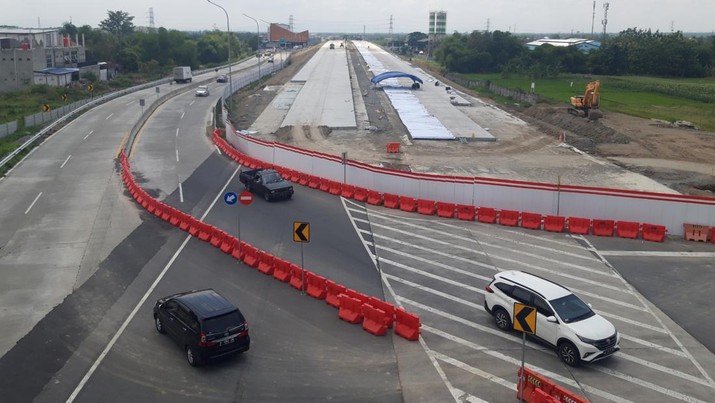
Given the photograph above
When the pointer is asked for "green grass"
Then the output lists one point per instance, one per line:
(646, 97)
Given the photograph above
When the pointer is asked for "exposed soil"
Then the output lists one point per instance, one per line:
(680, 158)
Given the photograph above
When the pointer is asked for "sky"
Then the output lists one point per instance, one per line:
(570, 17)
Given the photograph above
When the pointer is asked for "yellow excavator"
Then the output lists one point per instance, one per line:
(587, 105)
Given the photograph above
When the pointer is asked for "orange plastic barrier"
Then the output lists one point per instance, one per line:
(194, 227)
(217, 236)
(324, 185)
(426, 207)
(445, 209)
(315, 285)
(539, 396)
(603, 227)
(373, 320)
(393, 147)
(350, 309)
(348, 191)
(363, 298)
(294, 176)
(466, 212)
(335, 188)
(627, 229)
(487, 215)
(386, 307)
(531, 382)
(579, 225)
(361, 194)
(561, 394)
(374, 197)
(166, 213)
(296, 276)
(239, 250)
(333, 290)
(407, 325)
(303, 179)
(407, 203)
(314, 182)
(555, 223)
(151, 205)
(531, 220)
(251, 255)
(391, 200)
(281, 270)
(695, 232)
(205, 231)
(653, 232)
(266, 264)
(185, 221)
(227, 243)
(509, 218)
(175, 217)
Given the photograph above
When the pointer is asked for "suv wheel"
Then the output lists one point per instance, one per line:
(569, 353)
(159, 325)
(502, 319)
(191, 357)
(267, 196)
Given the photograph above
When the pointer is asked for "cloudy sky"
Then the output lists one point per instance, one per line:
(519, 16)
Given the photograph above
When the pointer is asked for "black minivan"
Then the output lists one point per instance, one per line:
(204, 323)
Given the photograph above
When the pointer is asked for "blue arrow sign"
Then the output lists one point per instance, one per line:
(230, 198)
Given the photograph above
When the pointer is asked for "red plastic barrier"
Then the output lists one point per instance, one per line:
(445, 209)
(185, 221)
(374, 197)
(426, 207)
(314, 182)
(487, 215)
(350, 309)
(578, 225)
(407, 325)
(333, 290)
(194, 226)
(531, 382)
(281, 270)
(324, 185)
(296, 276)
(303, 179)
(627, 229)
(373, 320)
(393, 147)
(166, 213)
(217, 236)
(509, 218)
(205, 231)
(653, 232)
(348, 191)
(251, 255)
(361, 194)
(561, 394)
(603, 227)
(539, 396)
(315, 285)
(555, 223)
(531, 220)
(174, 217)
(466, 212)
(294, 176)
(239, 250)
(335, 188)
(363, 298)
(266, 264)
(391, 200)
(227, 243)
(695, 232)
(407, 203)
(386, 307)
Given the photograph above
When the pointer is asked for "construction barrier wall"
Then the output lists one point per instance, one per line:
(669, 210)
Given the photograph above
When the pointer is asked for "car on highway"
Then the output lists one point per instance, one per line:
(202, 91)
(204, 324)
(222, 79)
(563, 320)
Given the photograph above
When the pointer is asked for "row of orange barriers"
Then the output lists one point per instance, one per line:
(540, 389)
(376, 315)
(552, 223)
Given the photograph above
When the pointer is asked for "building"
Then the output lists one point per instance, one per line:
(281, 35)
(38, 56)
(437, 23)
(584, 45)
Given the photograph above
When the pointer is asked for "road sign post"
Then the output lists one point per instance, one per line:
(525, 322)
(231, 198)
(301, 234)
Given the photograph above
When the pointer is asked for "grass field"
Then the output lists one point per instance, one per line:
(659, 98)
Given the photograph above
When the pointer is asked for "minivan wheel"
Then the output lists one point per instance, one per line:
(191, 357)
(569, 354)
(159, 325)
(502, 319)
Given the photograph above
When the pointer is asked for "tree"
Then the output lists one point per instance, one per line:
(118, 23)
(69, 29)
(417, 40)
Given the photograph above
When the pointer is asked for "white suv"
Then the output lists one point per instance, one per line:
(562, 319)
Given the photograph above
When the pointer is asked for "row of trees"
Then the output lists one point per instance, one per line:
(632, 52)
(156, 51)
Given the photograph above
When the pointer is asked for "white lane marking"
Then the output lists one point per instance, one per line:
(358, 231)
(648, 385)
(64, 163)
(33, 203)
(433, 263)
(630, 321)
(141, 302)
(110, 115)
(88, 134)
(177, 132)
(177, 155)
(181, 192)
(517, 362)
(653, 345)
(465, 367)
(129, 103)
(218, 150)
(466, 397)
(655, 253)
(641, 299)
(182, 115)
(432, 276)
(192, 102)
(661, 368)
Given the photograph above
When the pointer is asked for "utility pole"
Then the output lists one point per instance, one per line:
(593, 18)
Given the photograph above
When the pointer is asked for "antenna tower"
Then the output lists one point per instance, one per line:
(290, 23)
(605, 19)
(488, 25)
(593, 18)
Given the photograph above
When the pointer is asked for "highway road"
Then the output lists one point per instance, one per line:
(99, 343)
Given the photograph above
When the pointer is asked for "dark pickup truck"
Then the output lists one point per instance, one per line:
(267, 183)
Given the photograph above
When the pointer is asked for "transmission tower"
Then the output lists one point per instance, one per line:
(290, 23)
(390, 25)
(605, 19)
(593, 18)
(488, 25)
(151, 18)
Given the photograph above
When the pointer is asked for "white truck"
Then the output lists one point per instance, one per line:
(182, 74)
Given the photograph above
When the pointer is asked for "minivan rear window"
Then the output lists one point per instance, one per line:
(223, 323)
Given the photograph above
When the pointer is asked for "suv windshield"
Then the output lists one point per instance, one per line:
(571, 309)
(223, 323)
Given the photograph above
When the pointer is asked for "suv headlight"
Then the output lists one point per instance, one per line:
(586, 340)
